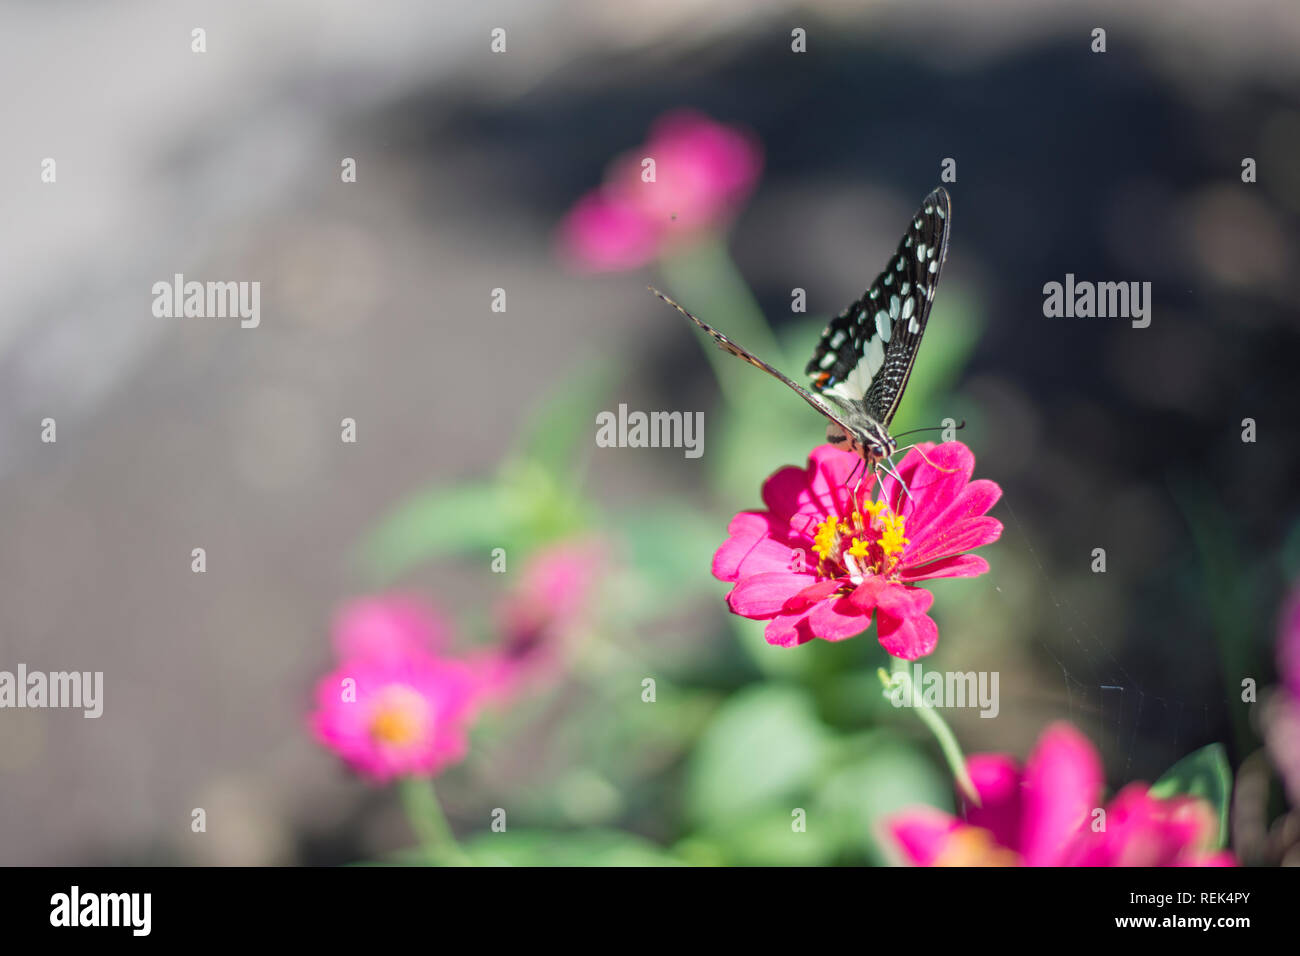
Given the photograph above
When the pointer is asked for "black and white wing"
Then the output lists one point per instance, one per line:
(827, 405)
(866, 354)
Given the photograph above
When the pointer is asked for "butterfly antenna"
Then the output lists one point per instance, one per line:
(930, 428)
(946, 471)
(674, 305)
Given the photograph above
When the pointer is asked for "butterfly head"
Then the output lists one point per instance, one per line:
(869, 440)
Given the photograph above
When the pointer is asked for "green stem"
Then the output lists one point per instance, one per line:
(938, 726)
(424, 813)
(705, 280)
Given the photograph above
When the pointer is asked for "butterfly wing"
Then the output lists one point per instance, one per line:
(827, 405)
(866, 354)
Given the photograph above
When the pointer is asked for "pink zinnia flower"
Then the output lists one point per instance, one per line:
(1044, 814)
(704, 171)
(538, 619)
(607, 233)
(388, 627)
(817, 564)
(396, 716)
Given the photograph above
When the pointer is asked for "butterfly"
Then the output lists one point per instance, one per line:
(862, 362)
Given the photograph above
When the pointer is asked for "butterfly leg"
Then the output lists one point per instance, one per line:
(853, 496)
(896, 476)
(867, 467)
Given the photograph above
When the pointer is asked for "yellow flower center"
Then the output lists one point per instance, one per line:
(892, 541)
(401, 717)
(871, 543)
(975, 846)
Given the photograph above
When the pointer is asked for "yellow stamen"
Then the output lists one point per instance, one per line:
(399, 717)
(975, 846)
(869, 543)
(825, 537)
(892, 541)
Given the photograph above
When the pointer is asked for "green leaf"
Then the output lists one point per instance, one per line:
(891, 776)
(763, 747)
(593, 847)
(705, 280)
(671, 549)
(766, 838)
(534, 499)
(1231, 587)
(521, 510)
(1204, 773)
(777, 663)
(439, 521)
(774, 428)
(407, 856)
(558, 433)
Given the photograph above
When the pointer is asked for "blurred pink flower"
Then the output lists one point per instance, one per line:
(605, 233)
(1281, 723)
(703, 172)
(388, 627)
(815, 565)
(392, 716)
(1043, 815)
(538, 619)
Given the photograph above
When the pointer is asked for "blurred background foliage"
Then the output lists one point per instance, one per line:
(743, 734)
(1056, 410)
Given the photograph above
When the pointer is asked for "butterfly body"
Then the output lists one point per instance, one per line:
(862, 435)
(863, 360)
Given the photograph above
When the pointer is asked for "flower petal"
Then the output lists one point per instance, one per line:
(784, 492)
(867, 594)
(921, 833)
(750, 549)
(1063, 782)
(830, 469)
(957, 566)
(603, 233)
(837, 620)
(764, 595)
(997, 781)
(1143, 830)
(788, 630)
(935, 475)
(898, 601)
(812, 594)
(901, 622)
(952, 540)
(972, 501)
(907, 638)
(388, 627)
